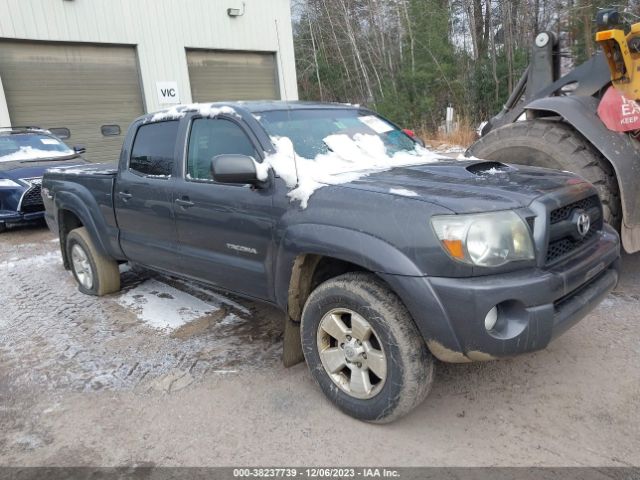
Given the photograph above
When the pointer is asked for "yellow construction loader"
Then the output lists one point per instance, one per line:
(587, 121)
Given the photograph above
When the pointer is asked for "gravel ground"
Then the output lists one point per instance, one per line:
(101, 381)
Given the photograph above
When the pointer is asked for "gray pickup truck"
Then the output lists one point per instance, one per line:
(381, 255)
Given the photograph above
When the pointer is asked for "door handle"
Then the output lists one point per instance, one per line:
(125, 196)
(184, 202)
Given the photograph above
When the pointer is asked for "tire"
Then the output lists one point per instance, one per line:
(103, 271)
(3, 227)
(556, 145)
(405, 369)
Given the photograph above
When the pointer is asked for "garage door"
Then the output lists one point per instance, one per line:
(217, 76)
(93, 91)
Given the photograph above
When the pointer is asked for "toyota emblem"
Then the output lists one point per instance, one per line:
(583, 224)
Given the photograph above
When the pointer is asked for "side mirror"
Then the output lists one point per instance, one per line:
(234, 169)
(79, 149)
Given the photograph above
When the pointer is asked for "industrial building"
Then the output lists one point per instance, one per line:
(87, 68)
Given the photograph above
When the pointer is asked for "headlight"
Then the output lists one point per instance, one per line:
(485, 239)
(5, 182)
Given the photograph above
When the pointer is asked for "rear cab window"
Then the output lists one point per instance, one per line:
(153, 151)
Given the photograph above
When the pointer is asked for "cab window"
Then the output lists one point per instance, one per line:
(153, 149)
(210, 138)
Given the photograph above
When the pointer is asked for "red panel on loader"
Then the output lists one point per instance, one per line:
(619, 113)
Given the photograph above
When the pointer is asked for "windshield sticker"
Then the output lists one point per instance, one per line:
(50, 141)
(376, 124)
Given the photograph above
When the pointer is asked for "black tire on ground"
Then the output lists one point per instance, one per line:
(3, 227)
(409, 364)
(104, 270)
(553, 144)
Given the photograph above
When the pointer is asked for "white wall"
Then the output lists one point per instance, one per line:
(161, 30)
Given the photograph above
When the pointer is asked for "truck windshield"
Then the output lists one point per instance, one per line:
(31, 146)
(307, 129)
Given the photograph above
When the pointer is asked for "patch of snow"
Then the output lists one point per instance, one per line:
(207, 110)
(217, 296)
(30, 153)
(403, 192)
(157, 176)
(32, 129)
(349, 159)
(230, 319)
(164, 307)
(445, 148)
(30, 262)
(74, 170)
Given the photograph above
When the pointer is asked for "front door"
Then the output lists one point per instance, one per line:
(144, 197)
(224, 231)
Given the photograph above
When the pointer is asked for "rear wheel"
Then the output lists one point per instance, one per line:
(556, 145)
(363, 348)
(95, 273)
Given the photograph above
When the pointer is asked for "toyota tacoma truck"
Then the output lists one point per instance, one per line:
(382, 256)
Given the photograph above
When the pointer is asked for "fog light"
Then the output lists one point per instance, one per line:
(491, 319)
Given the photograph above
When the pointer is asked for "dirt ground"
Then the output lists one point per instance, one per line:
(88, 381)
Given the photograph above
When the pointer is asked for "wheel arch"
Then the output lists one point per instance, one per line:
(73, 212)
(617, 148)
(310, 254)
(333, 249)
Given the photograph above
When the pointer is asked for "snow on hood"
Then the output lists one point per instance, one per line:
(30, 153)
(403, 192)
(349, 159)
(207, 110)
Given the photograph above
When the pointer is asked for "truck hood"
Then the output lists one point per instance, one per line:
(32, 169)
(468, 186)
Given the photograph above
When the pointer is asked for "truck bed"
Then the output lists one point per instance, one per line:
(91, 187)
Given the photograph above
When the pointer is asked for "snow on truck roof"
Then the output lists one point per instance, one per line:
(232, 108)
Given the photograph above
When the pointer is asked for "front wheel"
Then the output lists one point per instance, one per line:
(95, 273)
(364, 349)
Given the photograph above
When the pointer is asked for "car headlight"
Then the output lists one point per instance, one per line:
(485, 239)
(5, 182)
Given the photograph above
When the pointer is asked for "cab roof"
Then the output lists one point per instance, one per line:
(254, 106)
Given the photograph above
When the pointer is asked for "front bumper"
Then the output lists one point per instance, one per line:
(535, 305)
(13, 217)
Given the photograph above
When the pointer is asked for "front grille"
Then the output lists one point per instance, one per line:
(565, 246)
(563, 213)
(32, 199)
(559, 219)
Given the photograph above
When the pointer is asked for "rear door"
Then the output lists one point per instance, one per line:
(144, 196)
(224, 231)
